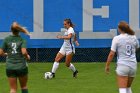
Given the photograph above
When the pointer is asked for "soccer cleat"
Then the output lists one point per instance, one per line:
(75, 74)
(53, 74)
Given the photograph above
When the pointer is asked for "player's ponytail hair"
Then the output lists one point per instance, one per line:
(69, 22)
(124, 27)
(16, 28)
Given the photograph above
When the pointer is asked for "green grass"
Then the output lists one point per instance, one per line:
(91, 79)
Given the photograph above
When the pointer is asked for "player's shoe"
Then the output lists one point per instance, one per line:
(53, 74)
(75, 74)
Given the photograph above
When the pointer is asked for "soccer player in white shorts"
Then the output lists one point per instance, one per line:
(67, 48)
(124, 45)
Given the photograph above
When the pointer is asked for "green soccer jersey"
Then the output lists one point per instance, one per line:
(12, 45)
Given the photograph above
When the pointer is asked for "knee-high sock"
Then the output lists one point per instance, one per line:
(129, 90)
(72, 67)
(122, 90)
(55, 67)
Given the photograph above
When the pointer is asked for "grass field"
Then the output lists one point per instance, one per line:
(91, 79)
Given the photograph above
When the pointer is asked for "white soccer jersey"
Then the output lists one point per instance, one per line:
(70, 30)
(68, 45)
(125, 46)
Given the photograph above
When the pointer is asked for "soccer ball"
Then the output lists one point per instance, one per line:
(48, 75)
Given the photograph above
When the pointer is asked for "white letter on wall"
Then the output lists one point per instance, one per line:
(134, 16)
(38, 7)
(88, 13)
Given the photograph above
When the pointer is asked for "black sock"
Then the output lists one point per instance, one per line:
(24, 90)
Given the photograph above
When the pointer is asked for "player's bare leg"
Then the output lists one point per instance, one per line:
(23, 83)
(58, 57)
(13, 84)
(122, 83)
(70, 65)
(129, 83)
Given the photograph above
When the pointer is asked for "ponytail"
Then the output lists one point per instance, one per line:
(16, 28)
(69, 22)
(124, 27)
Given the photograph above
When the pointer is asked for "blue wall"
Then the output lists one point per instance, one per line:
(55, 11)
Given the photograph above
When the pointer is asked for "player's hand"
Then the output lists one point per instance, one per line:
(28, 57)
(5, 54)
(107, 69)
(77, 44)
(59, 37)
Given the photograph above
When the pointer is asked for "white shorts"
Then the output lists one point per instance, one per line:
(67, 50)
(124, 70)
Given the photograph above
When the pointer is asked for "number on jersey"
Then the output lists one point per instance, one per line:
(14, 48)
(128, 50)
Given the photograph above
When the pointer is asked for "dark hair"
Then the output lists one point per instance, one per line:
(124, 27)
(69, 22)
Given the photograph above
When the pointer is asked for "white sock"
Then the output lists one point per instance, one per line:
(72, 67)
(122, 90)
(129, 90)
(55, 66)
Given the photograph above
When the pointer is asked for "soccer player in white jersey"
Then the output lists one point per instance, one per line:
(67, 48)
(124, 45)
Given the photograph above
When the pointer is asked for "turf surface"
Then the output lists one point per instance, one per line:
(91, 79)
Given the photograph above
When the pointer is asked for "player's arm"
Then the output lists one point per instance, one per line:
(109, 59)
(25, 53)
(20, 28)
(2, 48)
(111, 54)
(65, 37)
(75, 40)
(137, 45)
(24, 50)
(2, 53)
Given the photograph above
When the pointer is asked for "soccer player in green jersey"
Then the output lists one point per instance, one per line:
(14, 47)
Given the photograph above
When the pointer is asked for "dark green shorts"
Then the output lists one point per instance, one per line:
(17, 73)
